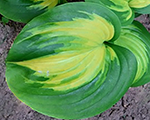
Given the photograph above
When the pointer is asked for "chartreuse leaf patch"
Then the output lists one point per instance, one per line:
(125, 9)
(69, 62)
(25, 10)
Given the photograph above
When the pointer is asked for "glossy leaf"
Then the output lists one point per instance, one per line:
(137, 39)
(64, 63)
(25, 10)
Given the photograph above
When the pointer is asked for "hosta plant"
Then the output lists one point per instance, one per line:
(25, 10)
(77, 60)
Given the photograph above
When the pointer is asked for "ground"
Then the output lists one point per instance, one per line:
(135, 104)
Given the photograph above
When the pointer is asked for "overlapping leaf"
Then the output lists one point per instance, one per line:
(25, 10)
(125, 9)
(137, 39)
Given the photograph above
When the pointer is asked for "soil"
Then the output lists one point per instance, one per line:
(134, 105)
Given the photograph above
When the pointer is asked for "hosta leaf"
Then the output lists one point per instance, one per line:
(25, 10)
(137, 39)
(140, 6)
(125, 9)
(64, 64)
(120, 7)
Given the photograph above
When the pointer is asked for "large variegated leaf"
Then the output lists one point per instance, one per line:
(137, 39)
(25, 10)
(124, 8)
(64, 65)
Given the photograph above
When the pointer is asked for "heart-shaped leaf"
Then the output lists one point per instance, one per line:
(64, 63)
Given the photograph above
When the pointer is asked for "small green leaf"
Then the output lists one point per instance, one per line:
(4, 20)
